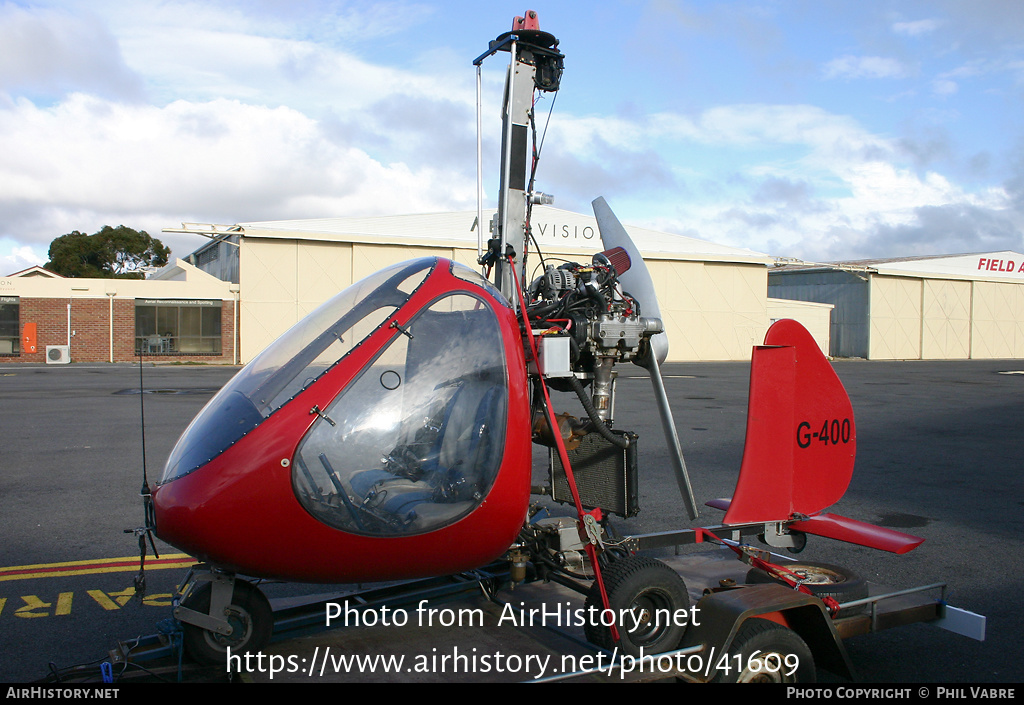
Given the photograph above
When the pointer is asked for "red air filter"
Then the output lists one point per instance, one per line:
(619, 259)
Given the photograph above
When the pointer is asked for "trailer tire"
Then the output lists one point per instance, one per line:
(766, 652)
(639, 583)
(824, 580)
(250, 616)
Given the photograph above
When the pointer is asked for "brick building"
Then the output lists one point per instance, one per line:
(178, 314)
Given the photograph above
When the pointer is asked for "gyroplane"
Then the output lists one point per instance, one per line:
(389, 434)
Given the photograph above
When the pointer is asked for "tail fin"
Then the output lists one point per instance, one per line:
(801, 444)
(801, 436)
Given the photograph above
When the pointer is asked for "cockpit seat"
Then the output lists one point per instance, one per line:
(363, 483)
(398, 498)
(447, 481)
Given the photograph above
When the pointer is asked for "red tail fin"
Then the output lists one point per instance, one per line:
(801, 436)
(801, 443)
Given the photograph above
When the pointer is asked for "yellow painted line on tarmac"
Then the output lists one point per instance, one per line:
(128, 564)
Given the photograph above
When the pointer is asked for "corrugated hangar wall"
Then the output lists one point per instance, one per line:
(907, 317)
(846, 291)
(711, 310)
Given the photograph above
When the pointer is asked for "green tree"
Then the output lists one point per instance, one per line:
(111, 253)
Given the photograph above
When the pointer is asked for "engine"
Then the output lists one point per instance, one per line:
(585, 304)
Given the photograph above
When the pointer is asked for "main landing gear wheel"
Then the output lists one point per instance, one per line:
(822, 579)
(653, 593)
(249, 614)
(766, 652)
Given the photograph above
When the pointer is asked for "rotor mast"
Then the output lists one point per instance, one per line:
(535, 64)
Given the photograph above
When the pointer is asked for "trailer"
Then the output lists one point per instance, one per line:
(739, 625)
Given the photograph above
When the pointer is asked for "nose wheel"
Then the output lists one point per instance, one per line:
(221, 615)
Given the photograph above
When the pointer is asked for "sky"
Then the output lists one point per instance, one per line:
(821, 130)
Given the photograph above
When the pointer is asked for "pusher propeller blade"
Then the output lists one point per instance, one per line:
(637, 280)
(638, 283)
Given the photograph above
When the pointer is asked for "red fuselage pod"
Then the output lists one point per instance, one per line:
(385, 436)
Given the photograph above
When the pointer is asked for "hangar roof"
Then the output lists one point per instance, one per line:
(553, 228)
(1004, 265)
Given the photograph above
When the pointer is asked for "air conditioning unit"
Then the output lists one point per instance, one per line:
(58, 354)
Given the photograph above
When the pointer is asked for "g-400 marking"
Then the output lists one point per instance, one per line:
(834, 431)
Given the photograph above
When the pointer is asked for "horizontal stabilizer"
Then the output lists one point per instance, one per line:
(840, 528)
(845, 529)
(833, 526)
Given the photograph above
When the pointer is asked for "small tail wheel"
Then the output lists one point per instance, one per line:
(649, 602)
(766, 652)
(250, 617)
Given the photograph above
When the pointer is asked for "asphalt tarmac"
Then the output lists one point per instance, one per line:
(939, 456)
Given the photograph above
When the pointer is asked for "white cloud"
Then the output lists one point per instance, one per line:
(850, 66)
(217, 143)
(55, 51)
(806, 183)
(328, 21)
(19, 258)
(307, 57)
(943, 86)
(916, 28)
(274, 110)
(87, 158)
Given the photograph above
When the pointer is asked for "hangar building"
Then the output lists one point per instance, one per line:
(951, 307)
(713, 298)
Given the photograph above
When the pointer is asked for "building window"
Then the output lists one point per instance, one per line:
(177, 327)
(10, 328)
